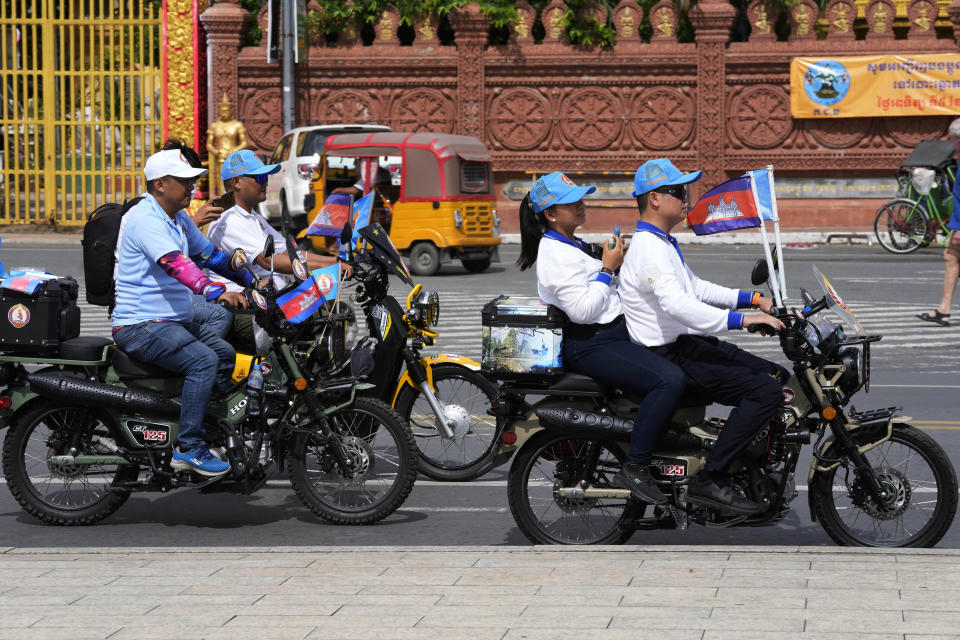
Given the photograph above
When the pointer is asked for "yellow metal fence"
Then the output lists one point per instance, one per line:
(82, 105)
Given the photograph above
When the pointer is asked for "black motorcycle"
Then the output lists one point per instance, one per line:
(874, 479)
(92, 426)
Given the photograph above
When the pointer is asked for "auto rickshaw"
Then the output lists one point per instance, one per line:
(434, 194)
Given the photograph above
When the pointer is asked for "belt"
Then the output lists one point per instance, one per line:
(586, 330)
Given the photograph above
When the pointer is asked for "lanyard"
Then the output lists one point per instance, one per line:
(646, 226)
(576, 242)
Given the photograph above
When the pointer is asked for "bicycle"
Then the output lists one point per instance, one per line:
(921, 209)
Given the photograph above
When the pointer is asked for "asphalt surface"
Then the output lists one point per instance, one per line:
(914, 367)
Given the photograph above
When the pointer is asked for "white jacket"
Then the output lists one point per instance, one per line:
(570, 279)
(662, 298)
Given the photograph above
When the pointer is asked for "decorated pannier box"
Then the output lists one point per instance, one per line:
(38, 312)
(522, 339)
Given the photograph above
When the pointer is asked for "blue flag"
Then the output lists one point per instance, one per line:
(359, 217)
(328, 280)
(765, 197)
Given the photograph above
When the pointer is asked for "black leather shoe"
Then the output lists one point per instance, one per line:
(709, 492)
(636, 477)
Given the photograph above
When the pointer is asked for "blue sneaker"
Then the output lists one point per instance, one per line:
(199, 460)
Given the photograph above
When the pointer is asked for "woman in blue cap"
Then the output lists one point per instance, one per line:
(580, 279)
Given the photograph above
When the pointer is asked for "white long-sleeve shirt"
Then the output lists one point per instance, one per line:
(570, 279)
(662, 299)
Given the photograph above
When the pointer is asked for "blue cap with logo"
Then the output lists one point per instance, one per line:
(245, 163)
(556, 188)
(654, 174)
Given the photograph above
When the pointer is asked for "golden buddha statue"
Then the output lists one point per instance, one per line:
(224, 136)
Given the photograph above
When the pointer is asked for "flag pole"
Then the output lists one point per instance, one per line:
(776, 234)
(763, 236)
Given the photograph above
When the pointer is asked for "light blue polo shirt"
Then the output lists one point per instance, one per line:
(144, 291)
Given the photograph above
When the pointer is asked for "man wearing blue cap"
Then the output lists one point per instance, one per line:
(242, 227)
(674, 313)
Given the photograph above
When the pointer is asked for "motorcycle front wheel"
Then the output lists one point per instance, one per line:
(465, 397)
(548, 462)
(922, 487)
(42, 479)
(382, 460)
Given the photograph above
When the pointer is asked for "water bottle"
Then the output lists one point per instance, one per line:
(254, 388)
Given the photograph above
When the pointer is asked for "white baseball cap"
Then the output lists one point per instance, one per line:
(170, 163)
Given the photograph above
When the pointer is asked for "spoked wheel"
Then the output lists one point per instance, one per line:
(921, 485)
(465, 397)
(382, 461)
(41, 475)
(549, 462)
(902, 226)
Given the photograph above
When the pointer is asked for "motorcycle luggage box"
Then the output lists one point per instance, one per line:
(39, 321)
(522, 339)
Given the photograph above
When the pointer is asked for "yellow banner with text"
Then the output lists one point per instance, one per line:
(884, 85)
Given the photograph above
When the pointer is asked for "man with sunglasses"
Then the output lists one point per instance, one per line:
(242, 227)
(673, 312)
(154, 320)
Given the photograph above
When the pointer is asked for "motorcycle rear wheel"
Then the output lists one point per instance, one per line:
(384, 458)
(465, 397)
(548, 461)
(920, 477)
(57, 493)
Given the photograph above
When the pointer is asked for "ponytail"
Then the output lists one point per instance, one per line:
(532, 227)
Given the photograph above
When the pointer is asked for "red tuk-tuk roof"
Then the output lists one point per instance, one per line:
(388, 143)
(432, 162)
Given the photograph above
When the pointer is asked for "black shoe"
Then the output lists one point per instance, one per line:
(708, 491)
(636, 478)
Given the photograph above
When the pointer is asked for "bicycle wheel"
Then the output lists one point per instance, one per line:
(902, 225)
(465, 396)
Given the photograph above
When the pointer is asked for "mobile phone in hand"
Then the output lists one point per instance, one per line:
(612, 243)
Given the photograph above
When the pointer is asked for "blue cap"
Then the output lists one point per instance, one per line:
(654, 174)
(556, 188)
(245, 163)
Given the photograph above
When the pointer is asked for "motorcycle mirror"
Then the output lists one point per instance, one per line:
(760, 273)
(238, 259)
(807, 298)
(269, 247)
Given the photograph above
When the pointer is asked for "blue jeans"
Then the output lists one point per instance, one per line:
(214, 316)
(192, 349)
(604, 352)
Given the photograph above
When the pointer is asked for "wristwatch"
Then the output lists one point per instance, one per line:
(606, 270)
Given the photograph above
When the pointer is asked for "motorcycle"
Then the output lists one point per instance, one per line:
(860, 487)
(444, 398)
(92, 426)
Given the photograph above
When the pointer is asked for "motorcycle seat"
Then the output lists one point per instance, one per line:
(84, 348)
(577, 383)
(127, 367)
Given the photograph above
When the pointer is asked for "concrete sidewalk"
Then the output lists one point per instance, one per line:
(480, 593)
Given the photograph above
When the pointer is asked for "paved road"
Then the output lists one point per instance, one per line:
(912, 367)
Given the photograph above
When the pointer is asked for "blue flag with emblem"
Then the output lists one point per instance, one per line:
(766, 199)
(328, 280)
(360, 215)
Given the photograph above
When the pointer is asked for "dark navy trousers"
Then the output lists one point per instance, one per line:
(604, 352)
(721, 372)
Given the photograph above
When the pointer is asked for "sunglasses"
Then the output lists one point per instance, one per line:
(261, 179)
(678, 191)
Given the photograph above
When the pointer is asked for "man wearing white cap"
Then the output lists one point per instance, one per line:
(153, 319)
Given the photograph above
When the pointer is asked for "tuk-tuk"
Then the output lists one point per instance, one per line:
(434, 194)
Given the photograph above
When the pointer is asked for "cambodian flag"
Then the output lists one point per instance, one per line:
(301, 303)
(331, 217)
(727, 207)
(328, 280)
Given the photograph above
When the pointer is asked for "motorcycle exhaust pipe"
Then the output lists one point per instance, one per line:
(91, 392)
(578, 419)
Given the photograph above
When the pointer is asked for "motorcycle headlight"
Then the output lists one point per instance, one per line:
(428, 307)
(853, 378)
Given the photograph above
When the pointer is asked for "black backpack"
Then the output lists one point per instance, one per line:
(100, 234)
